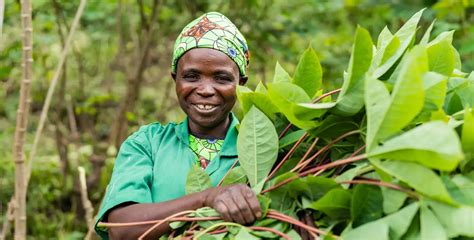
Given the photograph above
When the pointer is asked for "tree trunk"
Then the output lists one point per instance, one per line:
(22, 122)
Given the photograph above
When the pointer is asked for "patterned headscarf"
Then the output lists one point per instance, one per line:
(216, 31)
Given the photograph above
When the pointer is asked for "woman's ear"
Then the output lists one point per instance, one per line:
(243, 80)
(173, 75)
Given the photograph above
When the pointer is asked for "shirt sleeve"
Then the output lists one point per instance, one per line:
(131, 178)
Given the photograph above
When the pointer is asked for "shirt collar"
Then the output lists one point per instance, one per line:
(229, 148)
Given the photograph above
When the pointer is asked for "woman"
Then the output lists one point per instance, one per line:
(210, 58)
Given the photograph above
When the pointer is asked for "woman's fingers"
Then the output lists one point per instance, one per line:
(222, 209)
(233, 209)
(252, 201)
(238, 203)
(244, 208)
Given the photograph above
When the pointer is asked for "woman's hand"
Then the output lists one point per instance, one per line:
(236, 203)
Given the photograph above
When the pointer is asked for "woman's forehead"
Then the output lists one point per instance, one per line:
(198, 58)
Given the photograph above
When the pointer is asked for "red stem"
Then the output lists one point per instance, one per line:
(323, 149)
(315, 169)
(175, 219)
(326, 94)
(381, 184)
(307, 152)
(287, 156)
(287, 128)
(255, 228)
(282, 217)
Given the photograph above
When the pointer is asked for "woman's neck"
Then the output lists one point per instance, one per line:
(217, 132)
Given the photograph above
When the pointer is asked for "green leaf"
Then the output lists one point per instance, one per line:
(431, 228)
(244, 234)
(457, 221)
(309, 74)
(462, 190)
(197, 180)
(309, 111)
(441, 58)
(335, 203)
(280, 74)
(405, 36)
(467, 136)
(374, 230)
(435, 86)
(316, 187)
(351, 98)
(261, 88)
(264, 204)
(392, 200)
(243, 97)
(235, 176)
(366, 204)
(399, 222)
(290, 138)
(386, 114)
(257, 145)
(286, 96)
(281, 198)
(422, 179)
(384, 38)
(349, 175)
(290, 93)
(293, 235)
(426, 37)
(434, 145)
(263, 103)
(206, 212)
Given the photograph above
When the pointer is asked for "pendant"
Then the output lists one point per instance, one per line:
(203, 162)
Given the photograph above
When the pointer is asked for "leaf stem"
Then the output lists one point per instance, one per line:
(307, 152)
(316, 169)
(326, 94)
(286, 237)
(287, 128)
(382, 184)
(164, 221)
(302, 165)
(175, 219)
(282, 217)
(216, 226)
(287, 156)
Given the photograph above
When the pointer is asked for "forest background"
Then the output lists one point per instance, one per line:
(117, 78)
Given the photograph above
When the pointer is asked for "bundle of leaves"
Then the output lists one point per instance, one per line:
(390, 158)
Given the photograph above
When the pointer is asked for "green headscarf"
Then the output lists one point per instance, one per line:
(216, 31)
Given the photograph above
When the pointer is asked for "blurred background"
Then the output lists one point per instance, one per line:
(117, 78)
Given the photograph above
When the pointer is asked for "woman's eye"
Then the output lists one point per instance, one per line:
(224, 78)
(191, 77)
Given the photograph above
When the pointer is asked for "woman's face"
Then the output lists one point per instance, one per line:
(206, 81)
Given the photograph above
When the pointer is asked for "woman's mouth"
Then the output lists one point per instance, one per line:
(205, 107)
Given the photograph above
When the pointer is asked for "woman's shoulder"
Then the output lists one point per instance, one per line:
(152, 130)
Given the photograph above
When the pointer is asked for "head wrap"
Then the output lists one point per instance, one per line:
(216, 31)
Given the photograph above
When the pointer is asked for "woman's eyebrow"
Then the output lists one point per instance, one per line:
(191, 70)
(222, 72)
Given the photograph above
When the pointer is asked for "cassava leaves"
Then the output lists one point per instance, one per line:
(257, 145)
(309, 74)
(351, 98)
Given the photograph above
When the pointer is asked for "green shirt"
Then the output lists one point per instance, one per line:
(153, 163)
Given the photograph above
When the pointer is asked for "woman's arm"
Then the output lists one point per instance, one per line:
(236, 203)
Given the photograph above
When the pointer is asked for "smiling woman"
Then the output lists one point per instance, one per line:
(148, 182)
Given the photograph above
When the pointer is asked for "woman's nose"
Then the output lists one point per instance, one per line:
(206, 89)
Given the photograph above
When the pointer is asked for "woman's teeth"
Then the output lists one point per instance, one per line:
(205, 106)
